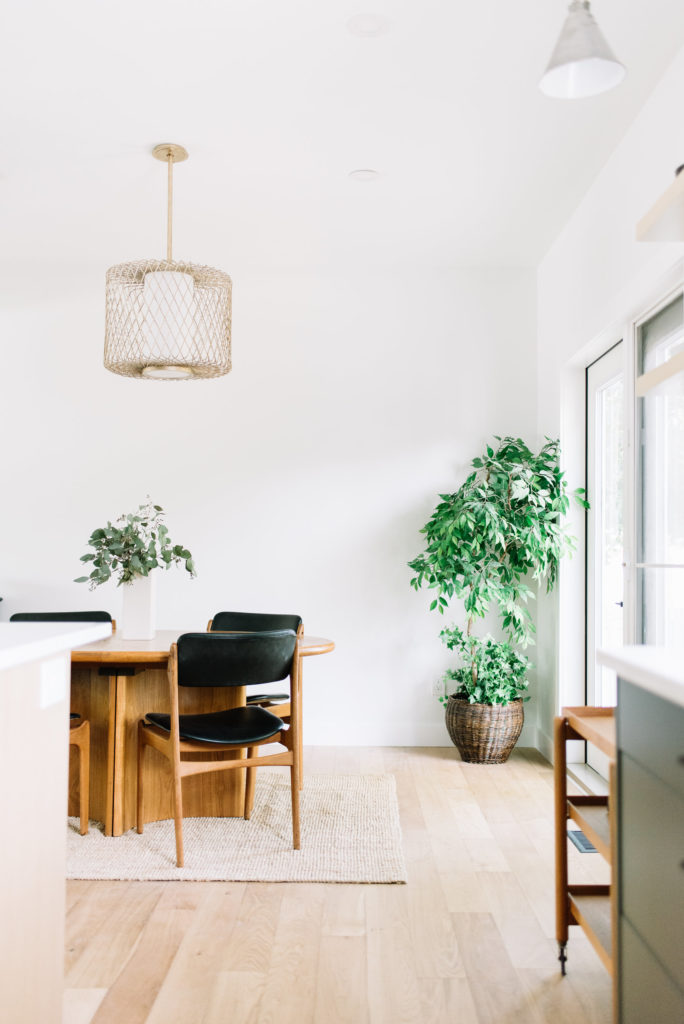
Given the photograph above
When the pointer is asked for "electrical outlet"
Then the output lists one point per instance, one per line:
(438, 688)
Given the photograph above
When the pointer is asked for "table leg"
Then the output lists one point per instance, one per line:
(120, 767)
(109, 774)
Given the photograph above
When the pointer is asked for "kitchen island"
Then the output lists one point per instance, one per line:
(35, 663)
(650, 826)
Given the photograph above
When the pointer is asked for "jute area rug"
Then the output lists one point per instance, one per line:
(350, 832)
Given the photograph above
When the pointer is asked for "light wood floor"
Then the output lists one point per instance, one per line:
(469, 940)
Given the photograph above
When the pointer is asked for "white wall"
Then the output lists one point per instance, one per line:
(594, 276)
(299, 482)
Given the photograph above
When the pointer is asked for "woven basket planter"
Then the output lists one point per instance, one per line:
(484, 733)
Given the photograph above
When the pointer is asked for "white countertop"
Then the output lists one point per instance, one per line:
(21, 642)
(657, 669)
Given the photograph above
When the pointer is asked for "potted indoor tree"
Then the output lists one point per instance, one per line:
(485, 543)
(128, 550)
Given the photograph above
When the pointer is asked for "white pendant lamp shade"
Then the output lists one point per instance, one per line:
(167, 320)
(582, 63)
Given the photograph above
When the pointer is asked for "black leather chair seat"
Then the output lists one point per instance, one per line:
(73, 715)
(240, 726)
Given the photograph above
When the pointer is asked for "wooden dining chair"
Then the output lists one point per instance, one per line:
(243, 622)
(256, 622)
(79, 737)
(79, 728)
(87, 616)
(220, 660)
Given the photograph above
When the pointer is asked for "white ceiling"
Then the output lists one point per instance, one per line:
(277, 102)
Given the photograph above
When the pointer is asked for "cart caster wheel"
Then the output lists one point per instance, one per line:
(562, 956)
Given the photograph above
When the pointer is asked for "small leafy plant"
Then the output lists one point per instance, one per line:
(132, 546)
(492, 671)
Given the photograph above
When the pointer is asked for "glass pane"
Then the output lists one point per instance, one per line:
(605, 516)
(661, 534)
(610, 549)
(661, 337)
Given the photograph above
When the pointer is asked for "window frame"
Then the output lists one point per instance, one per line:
(570, 603)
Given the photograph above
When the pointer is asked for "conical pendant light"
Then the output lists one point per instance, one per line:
(582, 63)
(167, 320)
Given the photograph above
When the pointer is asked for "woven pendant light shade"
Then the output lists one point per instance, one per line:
(167, 320)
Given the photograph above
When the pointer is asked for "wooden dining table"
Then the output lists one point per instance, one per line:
(114, 683)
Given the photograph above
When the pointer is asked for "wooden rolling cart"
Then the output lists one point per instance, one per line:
(589, 906)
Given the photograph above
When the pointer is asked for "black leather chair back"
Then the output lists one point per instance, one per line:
(61, 617)
(254, 622)
(242, 659)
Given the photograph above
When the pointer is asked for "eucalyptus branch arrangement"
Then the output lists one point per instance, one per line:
(132, 546)
(499, 530)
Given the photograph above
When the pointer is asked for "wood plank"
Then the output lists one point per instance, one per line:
(342, 980)
(250, 944)
(556, 999)
(496, 989)
(186, 994)
(133, 993)
(80, 1005)
(97, 962)
(295, 953)
(394, 995)
(591, 814)
(344, 910)
(446, 999)
(592, 988)
(236, 997)
(593, 913)
(521, 932)
(596, 725)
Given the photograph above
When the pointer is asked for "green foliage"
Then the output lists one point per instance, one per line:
(131, 546)
(492, 672)
(484, 543)
(500, 527)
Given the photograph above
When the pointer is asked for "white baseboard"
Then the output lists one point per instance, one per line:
(545, 745)
(574, 750)
(375, 734)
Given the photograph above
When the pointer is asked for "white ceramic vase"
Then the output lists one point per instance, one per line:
(139, 611)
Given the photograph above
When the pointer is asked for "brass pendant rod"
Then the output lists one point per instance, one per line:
(171, 153)
(169, 212)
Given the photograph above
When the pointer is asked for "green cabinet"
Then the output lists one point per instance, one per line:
(650, 740)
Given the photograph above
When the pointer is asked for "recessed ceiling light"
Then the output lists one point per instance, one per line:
(364, 174)
(368, 24)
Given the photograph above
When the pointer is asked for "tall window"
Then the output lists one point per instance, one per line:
(660, 504)
(605, 519)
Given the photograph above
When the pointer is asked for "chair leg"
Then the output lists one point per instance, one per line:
(295, 786)
(178, 819)
(249, 785)
(300, 731)
(84, 778)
